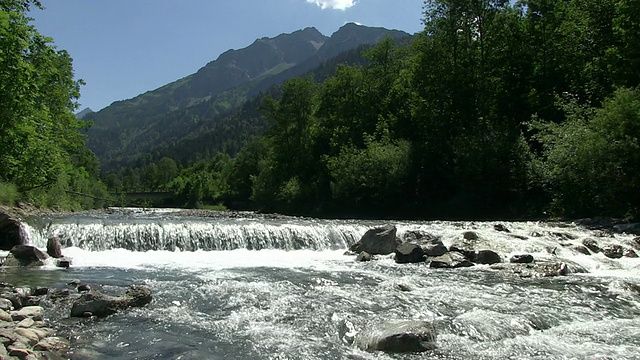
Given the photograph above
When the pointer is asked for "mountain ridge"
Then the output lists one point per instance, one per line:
(129, 127)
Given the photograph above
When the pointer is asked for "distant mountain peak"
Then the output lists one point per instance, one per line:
(82, 114)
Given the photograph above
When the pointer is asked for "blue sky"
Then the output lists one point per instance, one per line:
(122, 48)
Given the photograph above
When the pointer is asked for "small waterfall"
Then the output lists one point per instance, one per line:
(175, 234)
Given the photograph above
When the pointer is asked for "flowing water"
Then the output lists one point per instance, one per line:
(248, 287)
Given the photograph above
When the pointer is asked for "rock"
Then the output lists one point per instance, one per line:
(591, 244)
(613, 251)
(363, 256)
(53, 247)
(29, 335)
(4, 316)
(636, 242)
(377, 241)
(15, 300)
(26, 323)
(581, 249)
(404, 287)
(400, 337)
(25, 255)
(39, 291)
(409, 253)
(418, 237)
(63, 262)
(434, 249)
(54, 344)
(100, 305)
(630, 253)
(6, 304)
(34, 312)
(521, 259)
(540, 268)
(450, 260)
(501, 228)
(487, 257)
(10, 231)
(19, 350)
(469, 254)
(74, 282)
(83, 288)
(470, 235)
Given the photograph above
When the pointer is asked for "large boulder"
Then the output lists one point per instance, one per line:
(591, 244)
(10, 233)
(540, 268)
(25, 255)
(53, 247)
(409, 253)
(434, 249)
(377, 241)
(522, 259)
(94, 303)
(399, 337)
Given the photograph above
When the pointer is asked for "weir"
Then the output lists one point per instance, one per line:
(188, 235)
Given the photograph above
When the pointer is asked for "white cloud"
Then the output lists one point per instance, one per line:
(333, 4)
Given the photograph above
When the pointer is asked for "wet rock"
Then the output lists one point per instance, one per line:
(6, 304)
(364, 256)
(83, 288)
(591, 244)
(450, 260)
(540, 268)
(10, 234)
(377, 241)
(501, 228)
(487, 257)
(470, 235)
(535, 234)
(434, 249)
(74, 282)
(469, 254)
(519, 237)
(630, 253)
(419, 237)
(521, 259)
(53, 344)
(563, 235)
(25, 255)
(64, 262)
(409, 253)
(34, 312)
(613, 251)
(581, 249)
(39, 291)
(400, 337)
(101, 305)
(404, 287)
(53, 247)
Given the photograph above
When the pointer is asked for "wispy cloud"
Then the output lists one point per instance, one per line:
(333, 4)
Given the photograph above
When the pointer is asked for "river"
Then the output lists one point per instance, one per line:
(249, 287)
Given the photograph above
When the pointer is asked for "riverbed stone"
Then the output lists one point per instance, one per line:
(409, 253)
(54, 344)
(450, 260)
(10, 234)
(4, 316)
(399, 337)
(6, 304)
(591, 244)
(581, 249)
(613, 251)
(31, 336)
(26, 323)
(630, 253)
(487, 257)
(378, 241)
(470, 235)
(94, 303)
(540, 268)
(521, 259)
(501, 228)
(34, 312)
(363, 256)
(434, 249)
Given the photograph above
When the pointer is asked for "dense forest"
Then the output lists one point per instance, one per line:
(496, 109)
(43, 157)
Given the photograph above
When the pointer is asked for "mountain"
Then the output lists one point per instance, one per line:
(84, 113)
(129, 130)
